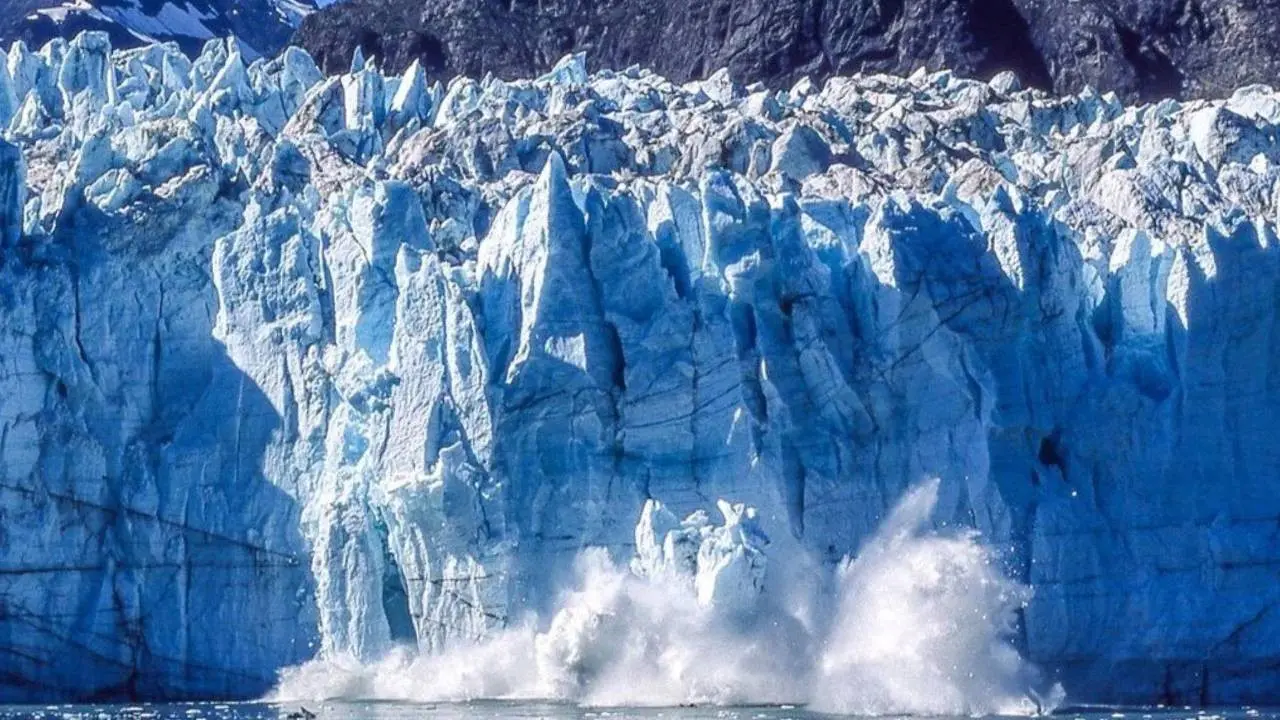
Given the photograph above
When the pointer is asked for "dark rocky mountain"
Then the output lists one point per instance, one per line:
(262, 26)
(1142, 49)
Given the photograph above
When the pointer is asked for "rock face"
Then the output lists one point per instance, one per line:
(1145, 49)
(262, 27)
(294, 364)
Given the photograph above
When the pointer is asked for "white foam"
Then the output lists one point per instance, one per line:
(922, 624)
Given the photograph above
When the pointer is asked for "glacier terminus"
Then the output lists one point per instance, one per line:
(295, 366)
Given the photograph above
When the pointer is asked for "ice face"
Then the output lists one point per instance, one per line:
(297, 365)
(13, 188)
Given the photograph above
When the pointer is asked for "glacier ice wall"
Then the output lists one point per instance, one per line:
(293, 364)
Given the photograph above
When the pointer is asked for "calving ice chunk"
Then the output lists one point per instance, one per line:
(921, 622)
(725, 563)
(651, 635)
(296, 365)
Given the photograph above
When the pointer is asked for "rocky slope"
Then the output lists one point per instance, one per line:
(262, 27)
(292, 364)
(1138, 48)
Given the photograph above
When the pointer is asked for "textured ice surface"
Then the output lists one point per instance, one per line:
(293, 365)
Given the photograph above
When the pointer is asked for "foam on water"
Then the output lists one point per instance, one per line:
(921, 623)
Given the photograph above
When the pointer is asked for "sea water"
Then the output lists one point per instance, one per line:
(511, 710)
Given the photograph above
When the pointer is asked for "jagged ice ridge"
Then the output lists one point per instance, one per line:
(293, 364)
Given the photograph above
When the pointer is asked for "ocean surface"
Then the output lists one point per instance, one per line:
(504, 710)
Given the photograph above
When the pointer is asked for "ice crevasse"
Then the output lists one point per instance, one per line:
(293, 364)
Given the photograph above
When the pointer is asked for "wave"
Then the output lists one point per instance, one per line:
(921, 622)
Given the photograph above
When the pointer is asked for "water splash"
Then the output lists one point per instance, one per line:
(921, 623)
(924, 626)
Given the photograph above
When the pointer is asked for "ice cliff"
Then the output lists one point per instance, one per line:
(293, 364)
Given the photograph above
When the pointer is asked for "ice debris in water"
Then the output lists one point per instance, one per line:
(380, 356)
(922, 624)
(679, 626)
(727, 562)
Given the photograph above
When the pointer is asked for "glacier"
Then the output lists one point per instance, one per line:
(294, 365)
